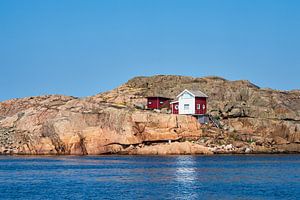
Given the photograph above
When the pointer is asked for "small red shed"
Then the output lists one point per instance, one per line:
(174, 106)
(158, 102)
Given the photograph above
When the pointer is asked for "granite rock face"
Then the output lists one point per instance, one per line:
(257, 114)
(67, 125)
(226, 98)
(253, 120)
(173, 148)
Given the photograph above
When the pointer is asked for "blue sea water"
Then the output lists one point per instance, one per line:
(150, 177)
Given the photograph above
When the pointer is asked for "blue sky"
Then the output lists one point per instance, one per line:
(83, 47)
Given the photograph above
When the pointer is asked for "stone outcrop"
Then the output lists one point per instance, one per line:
(253, 120)
(226, 98)
(67, 125)
(244, 109)
(172, 148)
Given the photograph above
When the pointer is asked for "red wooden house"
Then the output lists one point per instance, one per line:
(157, 102)
(188, 102)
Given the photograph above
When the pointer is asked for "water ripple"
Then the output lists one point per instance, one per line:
(150, 177)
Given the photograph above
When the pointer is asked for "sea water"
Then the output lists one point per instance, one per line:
(150, 177)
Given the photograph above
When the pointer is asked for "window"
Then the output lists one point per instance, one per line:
(186, 106)
(198, 106)
(176, 107)
(149, 102)
(161, 102)
(203, 106)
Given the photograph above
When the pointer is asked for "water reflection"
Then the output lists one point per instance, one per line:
(186, 177)
(185, 169)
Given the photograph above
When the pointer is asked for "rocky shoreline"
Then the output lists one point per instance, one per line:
(252, 120)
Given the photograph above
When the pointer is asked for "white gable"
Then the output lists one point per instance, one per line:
(186, 103)
(186, 95)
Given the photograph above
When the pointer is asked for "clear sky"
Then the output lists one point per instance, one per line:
(83, 47)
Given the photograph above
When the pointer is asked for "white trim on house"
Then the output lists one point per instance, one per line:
(193, 93)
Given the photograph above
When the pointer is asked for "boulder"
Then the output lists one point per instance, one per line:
(280, 140)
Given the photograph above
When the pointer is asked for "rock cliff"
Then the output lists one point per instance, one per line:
(67, 125)
(253, 120)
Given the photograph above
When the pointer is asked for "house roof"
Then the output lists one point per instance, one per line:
(198, 93)
(163, 97)
(195, 93)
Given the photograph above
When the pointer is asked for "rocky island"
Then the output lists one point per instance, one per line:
(252, 120)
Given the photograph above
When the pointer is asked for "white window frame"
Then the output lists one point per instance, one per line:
(198, 106)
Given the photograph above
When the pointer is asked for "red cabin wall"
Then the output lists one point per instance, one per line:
(154, 103)
(174, 110)
(201, 101)
(166, 104)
